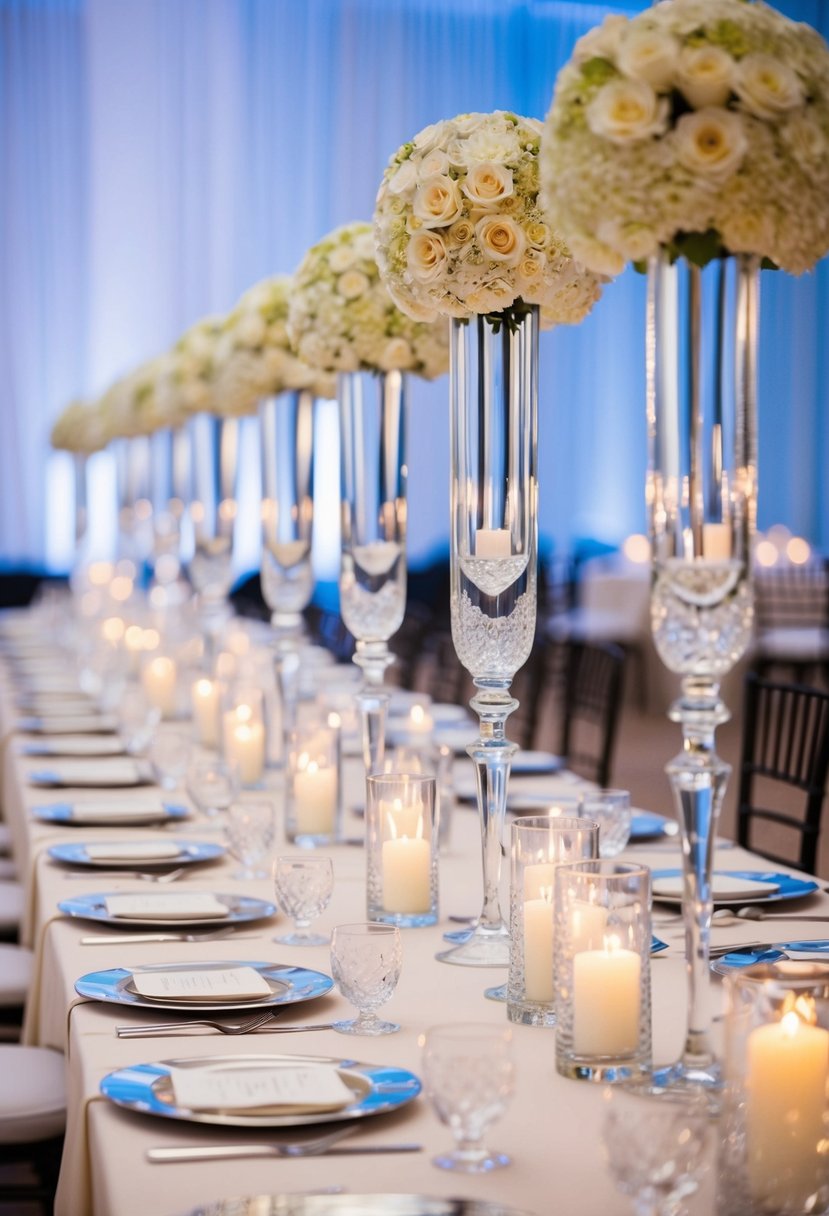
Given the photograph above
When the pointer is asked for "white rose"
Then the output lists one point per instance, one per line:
(624, 111)
(487, 184)
(747, 232)
(461, 233)
(705, 75)
(426, 256)
(395, 354)
(465, 124)
(363, 246)
(501, 239)
(437, 202)
(648, 55)
(404, 179)
(711, 142)
(601, 42)
(426, 139)
(804, 139)
(634, 242)
(434, 163)
(250, 330)
(352, 284)
(496, 141)
(341, 258)
(595, 256)
(767, 87)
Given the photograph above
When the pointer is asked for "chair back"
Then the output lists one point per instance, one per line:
(785, 758)
(592, 701)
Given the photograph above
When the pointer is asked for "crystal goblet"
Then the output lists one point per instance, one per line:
(250, 830)
(303, 887)
(365, 962)
(213, 785)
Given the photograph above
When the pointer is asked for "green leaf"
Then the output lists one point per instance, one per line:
(598, 71)
(699, 248)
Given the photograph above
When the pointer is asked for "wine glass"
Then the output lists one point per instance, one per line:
(250, 830)
(365, 962)
(656, 1150)
(303, 888)
(610, 809)
(213, 785)
(469, 1076)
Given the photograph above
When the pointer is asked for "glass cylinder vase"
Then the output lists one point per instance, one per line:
(701, 496)
(773, 1157)
(373, 515)
(313, 804)
(132, 480)
(213, 507)
(494, 539)
(401, 849)
(168, 504)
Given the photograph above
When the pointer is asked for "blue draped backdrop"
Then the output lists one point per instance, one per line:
(159, 156)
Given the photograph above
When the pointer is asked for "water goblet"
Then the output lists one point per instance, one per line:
(469, 1076)
(656, 1149)
(213, 785)
(365, 962)
(610, 809)
(250, 830)
(137, 719)
(303, 888)
(170, 757)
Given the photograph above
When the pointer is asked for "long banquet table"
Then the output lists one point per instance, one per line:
(552, 1128)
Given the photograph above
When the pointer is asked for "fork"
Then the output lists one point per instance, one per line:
(245, 1026)
(128, 939)
(301, 1148)
(169, 876)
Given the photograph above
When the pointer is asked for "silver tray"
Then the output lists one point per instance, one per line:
(190, 853)
(240, 908)
(289, 986)
(353, 1205)
(146, 1088)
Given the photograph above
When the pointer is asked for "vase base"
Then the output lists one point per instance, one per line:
(682, 1078)
(482, 948)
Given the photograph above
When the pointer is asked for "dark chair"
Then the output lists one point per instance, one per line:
(785, 749)
(792, 616)
(592, 701)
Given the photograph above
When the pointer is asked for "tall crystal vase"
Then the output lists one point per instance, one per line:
(132, 479)
(168, 503)
(373, 565)
(80, 467)
(213, 505)
(286, 426)
(701, 496)
(494, 540)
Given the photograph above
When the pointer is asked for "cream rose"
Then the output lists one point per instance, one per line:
(426, 256)
(624, 111)
(804, 139)
(434, 163)
(601, 42)
(538, 234)
(705, 75)
(501, 239)
(397, 353)
(648, 55)
(461, 233)
(531, 266)
(711, 142)
(341, 258)
(437, 202)
(746, 231)
(767, 87)
(487, 184)
(404, 179)
(352, 284)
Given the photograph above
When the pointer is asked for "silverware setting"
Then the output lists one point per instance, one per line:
(724, 916)
(244, 1026)
(317, 1148)
(144, 875)
(129, 939)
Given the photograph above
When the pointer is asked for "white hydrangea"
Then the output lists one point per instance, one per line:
(185, 385)
(459, 229)
(79, 428)
(343, 319)
(696, 117)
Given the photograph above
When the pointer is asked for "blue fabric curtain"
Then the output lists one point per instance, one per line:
(159, 157)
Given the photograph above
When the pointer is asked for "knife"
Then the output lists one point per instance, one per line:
(228, 1151)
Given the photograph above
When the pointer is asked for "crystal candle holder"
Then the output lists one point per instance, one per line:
(602, 970)
(773, 1157)
(313, 810)
(243, 734)
(539, 843)
(401, 846)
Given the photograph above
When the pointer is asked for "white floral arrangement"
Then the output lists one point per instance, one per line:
(700, 126)
(132, 405)
(185, 381)
(79, 428)
(459, 228)
(343, 319)
(253, 354)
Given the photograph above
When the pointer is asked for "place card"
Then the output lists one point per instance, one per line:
(216, 984)
(106, 773)
(288, 1087)
(175, 906)
(138, 850)
(723, 886)
(130, 810)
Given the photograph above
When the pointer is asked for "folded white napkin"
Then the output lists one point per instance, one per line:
(137, 850)
(79, 745)
(86, 723)
(198, 905)
(287, 1088)
(191, 984)
(107, 773)
(119, 810)
(723, 886)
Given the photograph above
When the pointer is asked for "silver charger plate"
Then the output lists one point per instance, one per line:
(240, 908)
(146, 1088)
(289, 986)
(64, 813)
(190, 853)
(352, 1205)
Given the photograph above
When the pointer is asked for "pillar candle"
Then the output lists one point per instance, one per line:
(787, 1067)
(538, 949)
(420, 722)
(204, 699)
(159, 681)
(397, 820)
(245, 746)
(406, 865)
(538, 880)
(493, 542)
(588, 923)
(716, 541)
(606, 1001)
(315, 799)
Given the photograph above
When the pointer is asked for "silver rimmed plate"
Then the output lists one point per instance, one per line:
(240, 908)
(781, 887)
(376, 1089)
(348, 1205)
(65, 813)
(289, 986)
(66, 746)
(189, 853)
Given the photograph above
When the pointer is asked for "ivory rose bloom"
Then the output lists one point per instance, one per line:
(488, 184)
(648, 55)
(437, 202)
(711, 142)
(500, 239)
(397, 353)
(426, 256)
(352, 284)
(705, 75)
(601, 42)
(627, 110)
(766, 86)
